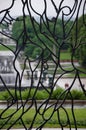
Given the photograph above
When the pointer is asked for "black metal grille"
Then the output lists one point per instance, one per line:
(46, 30)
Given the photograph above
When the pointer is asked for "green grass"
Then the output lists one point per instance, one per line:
(3, 48)
(53, 122)
(72, 75)
(22, 66)
(65, 56)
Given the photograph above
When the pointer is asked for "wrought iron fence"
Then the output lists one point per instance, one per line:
(35, 41)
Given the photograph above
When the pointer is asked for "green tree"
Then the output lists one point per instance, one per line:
(78, 40)
(34, 37)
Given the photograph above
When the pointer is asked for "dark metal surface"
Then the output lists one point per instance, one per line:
(50, 36)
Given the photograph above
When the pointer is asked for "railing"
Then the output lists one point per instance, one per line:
(35, 59)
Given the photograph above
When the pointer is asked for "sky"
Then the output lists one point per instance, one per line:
(39, 6)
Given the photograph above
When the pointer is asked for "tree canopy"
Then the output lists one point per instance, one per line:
(35, 38)
(39, 38)
(78, 39)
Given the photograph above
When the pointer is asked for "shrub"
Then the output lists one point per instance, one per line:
(25, 94)
(78, 95)
(42, 94)
(57, 93)
(6, 95)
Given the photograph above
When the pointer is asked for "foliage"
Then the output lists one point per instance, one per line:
(59, 93)
(3, 26)
(76, 94)
(78, 40)
(38, 38)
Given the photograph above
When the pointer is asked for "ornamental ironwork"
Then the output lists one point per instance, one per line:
(42, 52)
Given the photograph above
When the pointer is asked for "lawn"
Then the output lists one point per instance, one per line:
(52, 122)
(65, 56)
(72, 75)
(3, 48)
